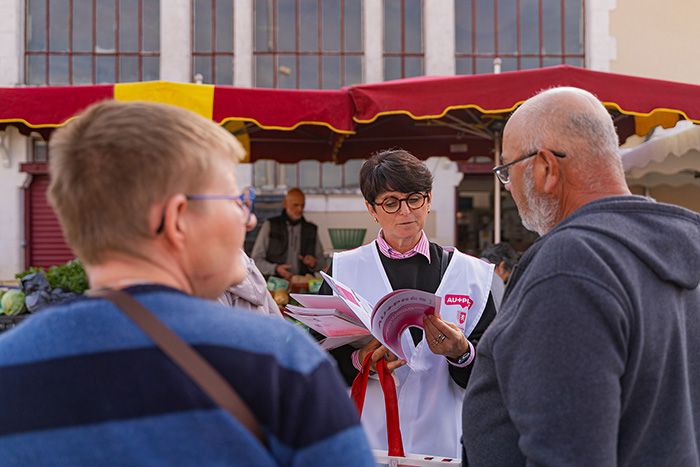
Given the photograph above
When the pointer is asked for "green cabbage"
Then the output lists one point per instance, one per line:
(12, 302)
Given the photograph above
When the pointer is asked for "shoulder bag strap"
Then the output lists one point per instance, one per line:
(189, 360)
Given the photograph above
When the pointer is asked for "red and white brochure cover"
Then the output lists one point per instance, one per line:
(397, 311)
(392, 314)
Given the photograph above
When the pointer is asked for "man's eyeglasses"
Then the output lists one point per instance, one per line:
(502, 171)
(241, 200)
(392, 205)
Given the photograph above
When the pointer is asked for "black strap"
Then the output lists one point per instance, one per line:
(444, 261)
(189, 360)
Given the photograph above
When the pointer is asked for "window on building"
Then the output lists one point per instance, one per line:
(309, 175)
(403, 39)
(40, 150)
(212, 40)
(308, 43)
(524, 34)
(91, 41)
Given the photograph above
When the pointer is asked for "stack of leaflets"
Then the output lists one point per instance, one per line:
(347, 317)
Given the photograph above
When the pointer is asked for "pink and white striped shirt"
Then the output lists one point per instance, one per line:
(422, 247)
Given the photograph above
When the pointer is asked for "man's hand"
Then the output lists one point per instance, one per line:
(308, 260)
(282, 270)
(379, 352)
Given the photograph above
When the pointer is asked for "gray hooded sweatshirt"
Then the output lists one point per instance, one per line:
(594, 358)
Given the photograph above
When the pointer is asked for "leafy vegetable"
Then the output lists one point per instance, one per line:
(12, 302)
(68, 277)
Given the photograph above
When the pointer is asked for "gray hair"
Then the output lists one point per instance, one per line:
(584, 130)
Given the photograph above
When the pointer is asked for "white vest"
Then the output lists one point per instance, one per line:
(430, 403)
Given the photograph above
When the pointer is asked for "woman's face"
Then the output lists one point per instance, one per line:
(405, 224)
(217, 233)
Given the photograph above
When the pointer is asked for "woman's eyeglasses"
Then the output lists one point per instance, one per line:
(392, 205)
(502, 171)
(245, 202)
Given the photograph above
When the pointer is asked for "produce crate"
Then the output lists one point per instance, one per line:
(7, 322)
(346, 239)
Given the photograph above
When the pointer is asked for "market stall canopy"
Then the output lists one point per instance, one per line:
(668, 157)
(286, 125)
(455, 116)
(461, 116)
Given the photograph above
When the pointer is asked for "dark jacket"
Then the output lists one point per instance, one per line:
(593, 359)
(279, 241)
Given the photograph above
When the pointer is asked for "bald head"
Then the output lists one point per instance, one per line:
(575, 156)
(574, 122)
(294, 203)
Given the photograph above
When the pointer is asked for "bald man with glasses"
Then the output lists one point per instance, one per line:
(592, 358)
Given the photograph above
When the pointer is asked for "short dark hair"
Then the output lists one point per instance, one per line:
(394, 170)
(501, 252)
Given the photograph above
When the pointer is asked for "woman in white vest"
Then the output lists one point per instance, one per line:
(397, 188)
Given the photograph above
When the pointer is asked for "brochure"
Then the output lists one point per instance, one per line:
(328, 322)
(347, 313)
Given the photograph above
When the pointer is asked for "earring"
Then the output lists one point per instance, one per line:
(375, 220)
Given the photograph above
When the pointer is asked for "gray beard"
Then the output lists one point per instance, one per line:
(541, 210)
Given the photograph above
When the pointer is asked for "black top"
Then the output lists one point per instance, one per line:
(415, 273)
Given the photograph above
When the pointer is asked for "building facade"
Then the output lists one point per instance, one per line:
(316, 44)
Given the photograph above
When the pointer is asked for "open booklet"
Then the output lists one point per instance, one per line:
(347, 317)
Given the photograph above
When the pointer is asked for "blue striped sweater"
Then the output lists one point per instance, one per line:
(81, 385)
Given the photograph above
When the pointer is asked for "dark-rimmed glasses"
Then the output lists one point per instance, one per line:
(502, 171)
(240, 200)
(392, 204)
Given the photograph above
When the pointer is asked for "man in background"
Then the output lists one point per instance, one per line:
(288, 244)
(504, 257)
(593, 358)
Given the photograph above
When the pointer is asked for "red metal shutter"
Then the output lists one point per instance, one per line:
(45, 244)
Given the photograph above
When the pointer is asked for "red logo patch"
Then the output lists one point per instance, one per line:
(462, 317)
(464, 301)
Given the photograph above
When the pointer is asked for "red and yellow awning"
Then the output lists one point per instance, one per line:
(454, 116)
(461, 116)
(648, 100)
(271, 109)
(300, 114)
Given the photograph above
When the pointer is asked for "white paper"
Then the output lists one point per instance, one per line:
(359, 306)
(315, 301)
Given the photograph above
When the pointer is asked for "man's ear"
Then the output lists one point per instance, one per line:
(551, 171)
(498, 269)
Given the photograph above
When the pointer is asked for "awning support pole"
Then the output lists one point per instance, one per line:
(497, 192)
(496, 182)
